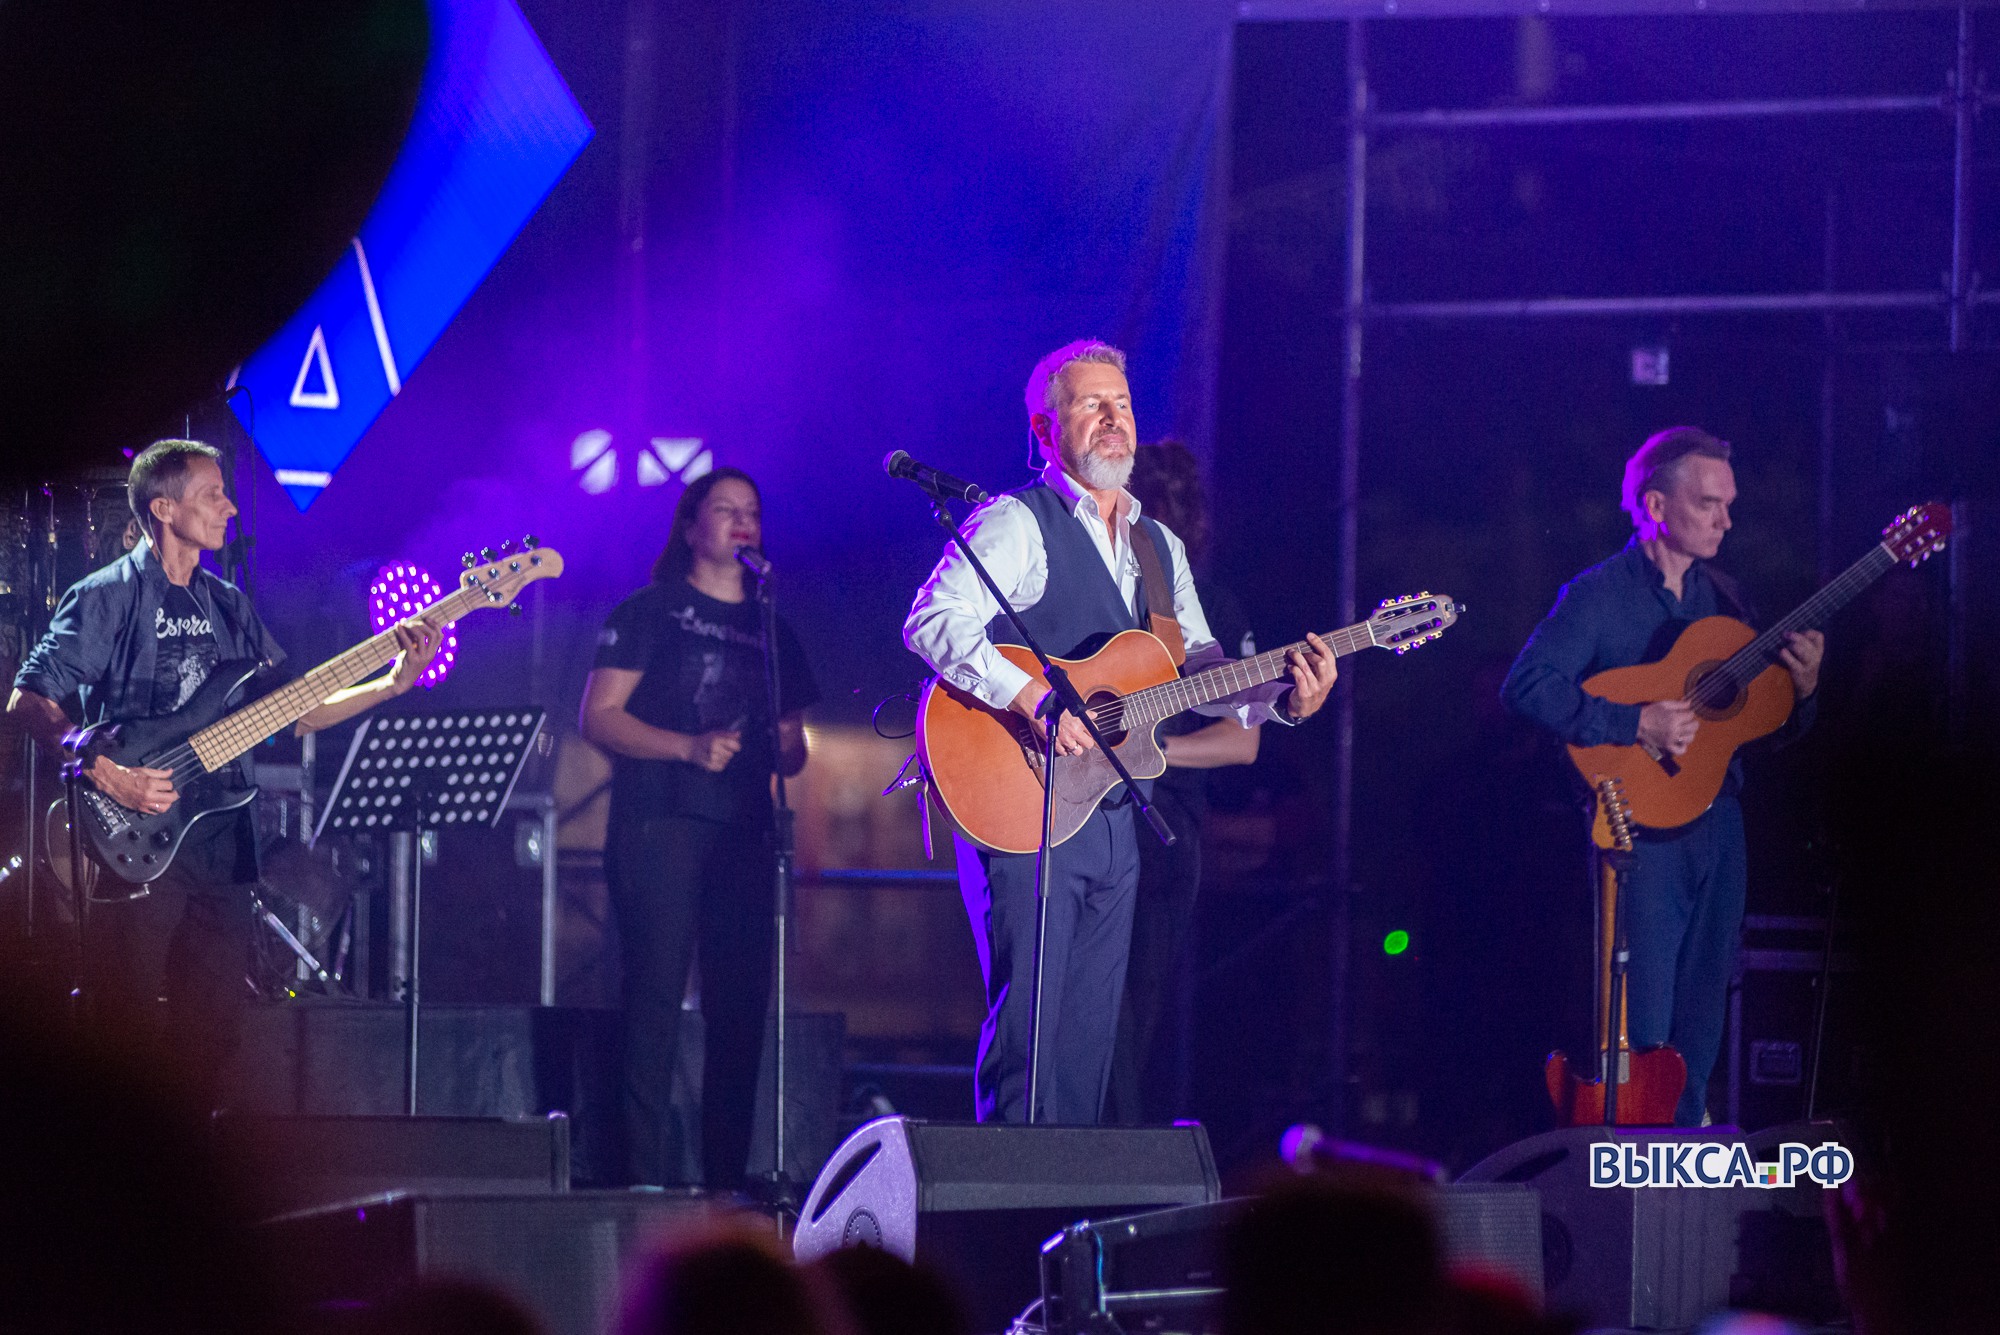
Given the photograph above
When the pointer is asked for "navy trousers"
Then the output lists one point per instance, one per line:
(1092, 879)
(1684, 920)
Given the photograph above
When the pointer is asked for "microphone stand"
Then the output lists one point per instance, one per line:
(776, 1187)
(1062, 698)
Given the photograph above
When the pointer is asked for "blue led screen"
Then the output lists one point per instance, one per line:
(495, 128)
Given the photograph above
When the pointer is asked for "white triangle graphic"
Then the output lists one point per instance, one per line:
(675, 451)
(649, 471)
(329, 397)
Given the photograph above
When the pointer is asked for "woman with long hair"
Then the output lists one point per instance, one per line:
(677, 695)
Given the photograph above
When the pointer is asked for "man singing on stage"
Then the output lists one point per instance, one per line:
(1063, 551)
(1684, 891)
(135, 640)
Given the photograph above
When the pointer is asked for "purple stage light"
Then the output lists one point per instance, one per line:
(403, 590)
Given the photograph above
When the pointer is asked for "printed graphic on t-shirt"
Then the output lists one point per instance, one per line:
(185, 650)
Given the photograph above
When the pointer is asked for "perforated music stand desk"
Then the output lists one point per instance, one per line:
(411, 773)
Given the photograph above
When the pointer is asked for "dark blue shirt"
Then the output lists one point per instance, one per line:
(102, 646)
(1615, 614)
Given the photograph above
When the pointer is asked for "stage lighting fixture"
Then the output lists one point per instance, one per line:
(403, 590)
(1650, 366)
(664, 459)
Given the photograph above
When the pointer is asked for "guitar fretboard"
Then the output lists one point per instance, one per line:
(1183, 693)
(229, 737)
(1721, 686)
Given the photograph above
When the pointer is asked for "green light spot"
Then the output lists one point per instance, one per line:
(1396, 942)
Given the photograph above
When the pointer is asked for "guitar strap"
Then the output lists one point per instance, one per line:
(1159, 593)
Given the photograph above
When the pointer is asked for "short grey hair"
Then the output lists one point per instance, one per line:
(1045, 380)
(162, 470)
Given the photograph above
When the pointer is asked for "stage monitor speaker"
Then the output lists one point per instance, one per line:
(1650, 1258)
(299, 1162)
(977, 1201)
(562, 1255)
(1160, 1270)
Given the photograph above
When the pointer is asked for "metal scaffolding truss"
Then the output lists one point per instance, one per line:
(1955, 299)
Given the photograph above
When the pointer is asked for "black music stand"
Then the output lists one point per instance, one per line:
(414, 774)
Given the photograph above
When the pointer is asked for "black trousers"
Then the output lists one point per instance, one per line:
(1162, 909)
(685, 888)
(188, 940)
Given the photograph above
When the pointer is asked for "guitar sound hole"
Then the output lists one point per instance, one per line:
(1728, 702)
(1114, 737)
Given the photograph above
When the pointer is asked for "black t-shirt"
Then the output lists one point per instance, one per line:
(703, 670)
(185, 647)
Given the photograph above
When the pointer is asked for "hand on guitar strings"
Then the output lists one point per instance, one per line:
(1801, 656)
(1668, 725)
(1313, 674)
(1072, 738)
(417, 644)
(135, 788)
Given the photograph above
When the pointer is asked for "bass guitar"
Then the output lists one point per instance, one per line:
(1630, 1088)
(204, 735)
(1732, 677)
(985, 764)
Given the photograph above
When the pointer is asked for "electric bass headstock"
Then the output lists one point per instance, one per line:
(1404, 623)
(1918, 532)
(1611, 827)
(498, 577)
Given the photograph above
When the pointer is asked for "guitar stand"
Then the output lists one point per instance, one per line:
(1621, 959)
(1062, 698)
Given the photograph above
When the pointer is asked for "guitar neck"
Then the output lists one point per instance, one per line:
(229, 737)
(1761, 652)
(1184, 693)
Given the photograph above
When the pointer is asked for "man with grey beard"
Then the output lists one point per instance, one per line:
(1064, 551)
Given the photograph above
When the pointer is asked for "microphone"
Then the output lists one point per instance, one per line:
(941, 485)
(753, 559)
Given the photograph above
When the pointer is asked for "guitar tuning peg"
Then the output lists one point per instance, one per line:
(513, 609)
(486, 553)
(506, 545)
(530, 542)
(470, 560)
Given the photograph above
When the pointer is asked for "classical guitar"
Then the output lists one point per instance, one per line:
(204, 735)
(985, 765)
(1732, 677)
(1648, 1083)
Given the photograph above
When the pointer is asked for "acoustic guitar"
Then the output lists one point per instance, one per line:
(985, 764)
(1732, 677)
(204, 735)
(1648, 1082)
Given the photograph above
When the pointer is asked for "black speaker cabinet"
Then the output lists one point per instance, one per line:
(1653, 1258)
(977, 1201)
(300, 1162)
(1159, 1270)
(561, 1255)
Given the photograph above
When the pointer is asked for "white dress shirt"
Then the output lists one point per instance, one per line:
(947, 623)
